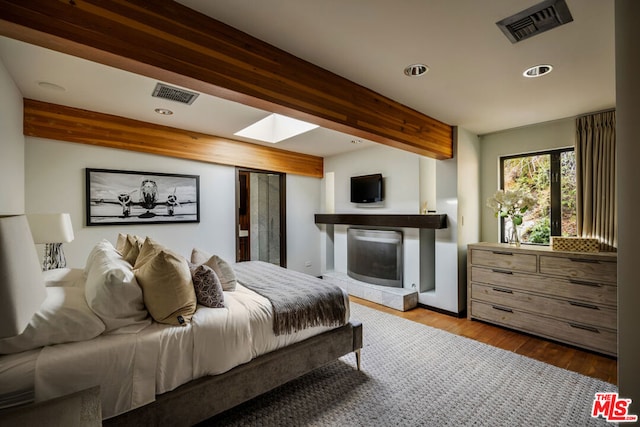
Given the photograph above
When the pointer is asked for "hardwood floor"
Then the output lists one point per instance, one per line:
(557, 354)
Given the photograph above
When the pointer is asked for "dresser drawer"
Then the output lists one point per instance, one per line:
(504, 259)
(578, 289)
(574, 311)
(579, 268)
(599, 339)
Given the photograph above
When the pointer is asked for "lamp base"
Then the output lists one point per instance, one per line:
(53, 257)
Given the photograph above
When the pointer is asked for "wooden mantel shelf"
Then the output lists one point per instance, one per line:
(434, 221)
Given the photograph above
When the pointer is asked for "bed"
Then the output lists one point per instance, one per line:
(176, 361)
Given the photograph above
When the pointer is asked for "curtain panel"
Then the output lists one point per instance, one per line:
(595, 150)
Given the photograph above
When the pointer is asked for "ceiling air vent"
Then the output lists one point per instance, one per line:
(174, 94)
(535, 20)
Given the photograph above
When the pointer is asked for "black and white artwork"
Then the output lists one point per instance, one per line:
(129, 197)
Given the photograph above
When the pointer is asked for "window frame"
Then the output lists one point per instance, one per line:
(555, 183)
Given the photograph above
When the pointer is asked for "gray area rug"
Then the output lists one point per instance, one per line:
(415, 375)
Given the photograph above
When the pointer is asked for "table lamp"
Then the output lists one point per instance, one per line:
(22, 287)
(53, 230)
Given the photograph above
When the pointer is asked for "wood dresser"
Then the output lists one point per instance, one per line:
(565, 296)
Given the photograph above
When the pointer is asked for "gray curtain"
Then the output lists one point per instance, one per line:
(596, 178)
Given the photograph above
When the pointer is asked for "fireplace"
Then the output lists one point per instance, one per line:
(375, 256)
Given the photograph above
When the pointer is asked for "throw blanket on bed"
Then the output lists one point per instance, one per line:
(299, 300)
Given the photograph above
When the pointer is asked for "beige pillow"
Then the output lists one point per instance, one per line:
(167, 288)
(199, 256)
(132, 248)
(223, 269)
(149, 249)
(122, 240)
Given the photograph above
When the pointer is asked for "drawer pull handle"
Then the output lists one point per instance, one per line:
(583, 327)
(496, 307)
(584, 305)
(502, 271)
(506, 291)
(585, 283)
(585, 261)
(502, 253)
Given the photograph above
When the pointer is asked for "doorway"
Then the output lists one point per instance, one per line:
(261, 216)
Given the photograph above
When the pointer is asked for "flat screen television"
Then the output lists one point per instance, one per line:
(367, 188)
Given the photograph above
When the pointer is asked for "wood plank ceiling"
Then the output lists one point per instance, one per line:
(58, 122)
(164, 40)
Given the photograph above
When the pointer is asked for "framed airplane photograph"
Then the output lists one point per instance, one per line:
(117, 197)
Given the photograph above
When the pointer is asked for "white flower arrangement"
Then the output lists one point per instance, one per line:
(511, 204)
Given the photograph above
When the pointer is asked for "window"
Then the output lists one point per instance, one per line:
(550, 177)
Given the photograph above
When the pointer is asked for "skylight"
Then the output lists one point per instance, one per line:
(275, 128)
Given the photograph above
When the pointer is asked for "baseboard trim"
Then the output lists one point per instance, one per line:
(460, 315)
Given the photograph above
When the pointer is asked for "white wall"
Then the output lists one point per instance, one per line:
(627, 131)
(469, 203)
(427, 183)
(400, 170)
(457, 184)
(469, 200)
(55, 182)
(528, 139)
(303, 237)
(11, 147)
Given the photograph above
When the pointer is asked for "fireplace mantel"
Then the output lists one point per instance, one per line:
(433, 221)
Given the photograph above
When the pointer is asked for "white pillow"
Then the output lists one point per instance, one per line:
(64, 316)
(68, 277)
(112, 292)
(102, 245)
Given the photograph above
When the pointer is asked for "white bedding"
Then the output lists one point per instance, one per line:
(16, 378)
(124, 366)
(225, 338)
(132, 368)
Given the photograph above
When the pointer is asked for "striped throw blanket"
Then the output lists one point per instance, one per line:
(299, 300)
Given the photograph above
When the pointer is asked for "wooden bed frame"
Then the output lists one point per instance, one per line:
(205, 397)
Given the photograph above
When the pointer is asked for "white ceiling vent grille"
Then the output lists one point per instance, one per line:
(535, 20)
(174, 94)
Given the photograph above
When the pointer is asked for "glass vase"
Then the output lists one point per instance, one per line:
(514, 234)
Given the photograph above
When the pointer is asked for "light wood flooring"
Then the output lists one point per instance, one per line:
(564, 356)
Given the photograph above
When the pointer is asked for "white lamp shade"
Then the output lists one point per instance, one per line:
(51, 228)
(22, 289)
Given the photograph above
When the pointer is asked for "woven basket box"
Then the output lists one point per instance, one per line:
(575, 244)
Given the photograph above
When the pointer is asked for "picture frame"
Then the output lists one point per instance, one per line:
(120, 197)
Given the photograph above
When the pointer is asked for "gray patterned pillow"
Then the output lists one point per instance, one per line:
(207, 286)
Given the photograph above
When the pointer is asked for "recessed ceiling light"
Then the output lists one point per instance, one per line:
(537, 71)
(275, 128)
(163, 111)
(416, 70)
(51, 86)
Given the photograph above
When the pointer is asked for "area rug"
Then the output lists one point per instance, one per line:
(416, 375)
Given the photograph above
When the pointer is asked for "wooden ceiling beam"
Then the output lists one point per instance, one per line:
(164, 40)
(63, 123)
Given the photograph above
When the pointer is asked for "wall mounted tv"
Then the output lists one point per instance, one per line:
(367, 188)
